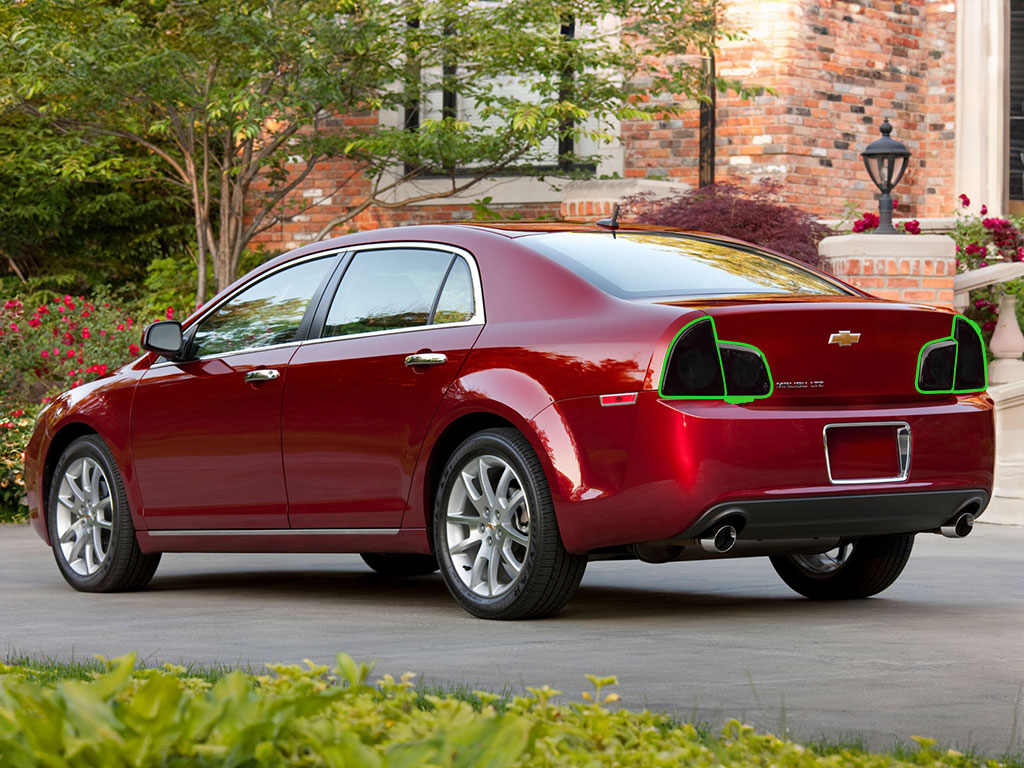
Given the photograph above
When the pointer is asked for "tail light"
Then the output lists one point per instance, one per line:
(699, 365)
(954, 364)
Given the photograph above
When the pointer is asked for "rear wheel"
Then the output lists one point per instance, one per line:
(859, 568)
(399, 565)
(91, 530)
(495, 531)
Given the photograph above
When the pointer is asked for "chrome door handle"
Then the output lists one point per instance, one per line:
(261, 374)
(426, 358)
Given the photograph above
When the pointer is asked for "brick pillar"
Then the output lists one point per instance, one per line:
(916, 268)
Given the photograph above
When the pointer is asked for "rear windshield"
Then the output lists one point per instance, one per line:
(637, 265)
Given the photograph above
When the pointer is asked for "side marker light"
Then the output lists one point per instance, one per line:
(629, 398)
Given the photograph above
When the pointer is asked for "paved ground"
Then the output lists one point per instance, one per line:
(941, 653)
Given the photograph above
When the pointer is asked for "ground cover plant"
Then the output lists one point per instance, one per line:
(119, 714)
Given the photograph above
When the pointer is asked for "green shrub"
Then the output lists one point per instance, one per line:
(320, 717)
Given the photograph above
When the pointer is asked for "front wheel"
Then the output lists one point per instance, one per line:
(495, 532)
(855, 569)
(90, 525)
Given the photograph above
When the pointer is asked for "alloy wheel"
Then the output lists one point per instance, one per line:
(84, 516)
(488, 525)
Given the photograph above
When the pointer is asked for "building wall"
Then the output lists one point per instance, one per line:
(838, 68)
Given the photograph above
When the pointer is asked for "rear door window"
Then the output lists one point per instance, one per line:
(389, 289)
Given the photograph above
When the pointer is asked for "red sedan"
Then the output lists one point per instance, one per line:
(506, 402)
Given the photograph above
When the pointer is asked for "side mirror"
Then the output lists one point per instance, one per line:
(163, 337)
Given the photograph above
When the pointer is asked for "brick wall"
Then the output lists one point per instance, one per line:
(838, 68)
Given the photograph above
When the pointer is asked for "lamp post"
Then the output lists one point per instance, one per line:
(886, 160)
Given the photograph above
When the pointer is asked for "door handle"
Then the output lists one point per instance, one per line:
(261, 374)
(426, 358)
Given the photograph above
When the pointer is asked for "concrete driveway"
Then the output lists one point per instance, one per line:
(941, 653)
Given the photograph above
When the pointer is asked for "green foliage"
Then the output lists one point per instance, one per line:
(124, 716)
(62, 231)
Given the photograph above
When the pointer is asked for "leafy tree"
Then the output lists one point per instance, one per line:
(240, 100)
(61, 230)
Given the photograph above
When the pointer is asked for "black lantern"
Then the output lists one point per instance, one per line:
(886, 160)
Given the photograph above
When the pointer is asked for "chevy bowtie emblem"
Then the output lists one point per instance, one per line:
(844, 338)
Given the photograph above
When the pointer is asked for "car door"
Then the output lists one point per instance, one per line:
(359, 399)
(206, 432)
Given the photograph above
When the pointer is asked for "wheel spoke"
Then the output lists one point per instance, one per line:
(502, 490)
(73, 487)
(73, 531)
(76, 548)
(475, 497)
(509, 507)
(97, 544)
(466, 544)
(512, 565)
(90, 558)
(485, 483)
(478, 574)
(515, 535)
(463, 519)
(493, 564)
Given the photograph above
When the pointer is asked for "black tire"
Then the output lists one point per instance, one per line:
(547, 576)
(871, 565)
(123, 566)
(400, 565)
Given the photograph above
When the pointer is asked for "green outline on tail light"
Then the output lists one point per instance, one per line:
(956, 360)
(734, 399)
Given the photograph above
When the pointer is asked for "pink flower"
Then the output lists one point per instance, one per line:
(86, 334)
(980, 303)
(989, 325)
(71, 353)
(133, 350)
(982, 263)
(965, 201)
(45, 400)
(17, 413)
(894, 203)
(913, 227)
(34, 322)
(984, 209)
(103, 333)
(170, 313)
(44, 353)
(14, 327)
(120, 326)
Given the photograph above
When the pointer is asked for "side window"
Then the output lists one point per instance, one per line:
(456, 302)
(387, 289)
(266, 313)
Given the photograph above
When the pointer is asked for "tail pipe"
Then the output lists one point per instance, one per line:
(720, 539)
(961, 525)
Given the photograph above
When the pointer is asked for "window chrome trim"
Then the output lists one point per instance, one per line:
(903, 447)
(278, 532)
(474, 273)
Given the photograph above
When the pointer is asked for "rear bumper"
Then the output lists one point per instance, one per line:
(664, 469)
(872, 514)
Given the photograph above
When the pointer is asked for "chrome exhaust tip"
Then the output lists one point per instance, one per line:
(959, 526)
(720, 539)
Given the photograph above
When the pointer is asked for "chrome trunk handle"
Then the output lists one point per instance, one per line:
(261, 374)
(426, 358)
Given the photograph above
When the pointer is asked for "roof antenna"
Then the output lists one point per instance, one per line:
(613, 222)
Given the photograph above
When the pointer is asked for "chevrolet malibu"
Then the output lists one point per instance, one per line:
(507, 402)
